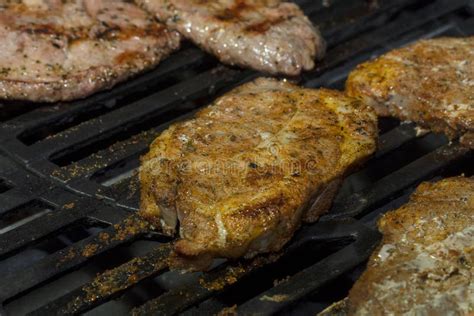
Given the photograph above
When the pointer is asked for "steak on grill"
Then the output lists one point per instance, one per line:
(54, 50)
(241, 176)
(430, 82)
(425, 263)
(268, 35)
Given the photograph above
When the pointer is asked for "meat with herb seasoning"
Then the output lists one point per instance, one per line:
(430, 82)
(54, 50)
(425, 263)
(247, 170)
(272, 36)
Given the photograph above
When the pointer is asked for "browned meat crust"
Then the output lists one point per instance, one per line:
(55, 50)
(268, 35)
(430, 82)
(425, 263)
(242, 174)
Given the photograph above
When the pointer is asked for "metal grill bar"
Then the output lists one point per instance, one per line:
(167, 304)
(119, 152)
(316, 276)
(108, 284)
(37, 229)
(143, 268)
(335, 19)
(64, 260)
(408, 176)
(13, 199)
(395, 138)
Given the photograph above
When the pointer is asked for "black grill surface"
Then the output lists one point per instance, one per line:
(69, 191)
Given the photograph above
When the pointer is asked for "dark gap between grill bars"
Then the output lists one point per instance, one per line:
(4, 186)
(59, 239)
(22, 215)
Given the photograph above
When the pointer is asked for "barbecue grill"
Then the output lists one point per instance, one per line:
(69, 190)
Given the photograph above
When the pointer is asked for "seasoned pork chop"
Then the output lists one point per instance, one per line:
(53, 50)
(242, 174)
(268, 35)
(430, 82)
(425, 263)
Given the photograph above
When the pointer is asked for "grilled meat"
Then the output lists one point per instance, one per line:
(430, 82)
(425, 263)
(242, 175)
(267, 35)
(62, 50)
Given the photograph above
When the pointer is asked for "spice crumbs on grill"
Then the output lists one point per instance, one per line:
(71, 254)
(104, 236)
(231, 277)
(90, 250)
(132, 225)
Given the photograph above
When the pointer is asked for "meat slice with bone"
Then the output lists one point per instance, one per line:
(243, 174)
(430, 82)
(272, 36)
(63, 50)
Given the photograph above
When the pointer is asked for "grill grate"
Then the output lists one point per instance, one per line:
(68, 185)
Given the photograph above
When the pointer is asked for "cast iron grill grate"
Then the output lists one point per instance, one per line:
(68, 187)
